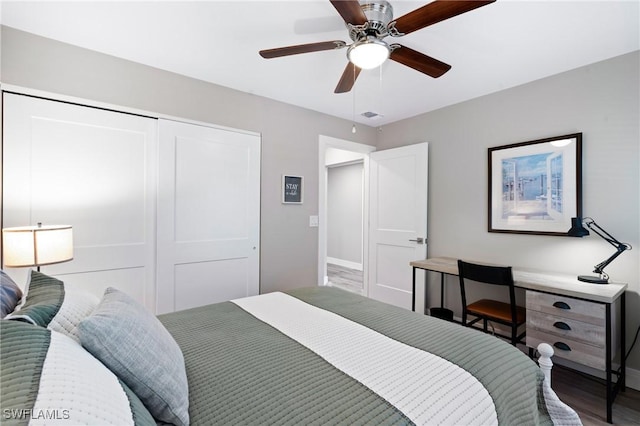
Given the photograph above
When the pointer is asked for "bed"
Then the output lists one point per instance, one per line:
(308, 356)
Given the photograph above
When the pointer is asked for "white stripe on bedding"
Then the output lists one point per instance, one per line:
(76, 388)
(426, 388)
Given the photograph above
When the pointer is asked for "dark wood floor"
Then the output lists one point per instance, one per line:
(587, 395)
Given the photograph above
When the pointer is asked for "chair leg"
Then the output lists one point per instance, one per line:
(484, 325)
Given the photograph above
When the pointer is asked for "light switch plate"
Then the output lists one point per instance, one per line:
(313, 221)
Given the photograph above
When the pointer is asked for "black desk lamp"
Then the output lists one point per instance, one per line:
(577, 230)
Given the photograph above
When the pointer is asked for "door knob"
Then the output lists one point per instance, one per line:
(418, 240)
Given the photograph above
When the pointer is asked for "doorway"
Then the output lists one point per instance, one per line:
(394, 215)
(345, 225)
(340, 158)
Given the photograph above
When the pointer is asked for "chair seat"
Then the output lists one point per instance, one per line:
(499, 310)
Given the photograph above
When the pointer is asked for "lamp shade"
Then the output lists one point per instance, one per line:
(577, 229)
(37, 245)
(368, 53)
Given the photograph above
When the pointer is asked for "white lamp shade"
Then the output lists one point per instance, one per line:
(368, 53)
(37, 245)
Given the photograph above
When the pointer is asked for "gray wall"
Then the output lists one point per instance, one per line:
(289, 247)
(601, 101)
(344, 212)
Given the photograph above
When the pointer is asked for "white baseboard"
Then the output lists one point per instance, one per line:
(345, 263)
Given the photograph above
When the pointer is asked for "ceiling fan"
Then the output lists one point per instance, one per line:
(369, 23)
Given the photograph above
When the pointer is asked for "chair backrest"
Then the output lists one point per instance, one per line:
(495, 275)
(498, 275)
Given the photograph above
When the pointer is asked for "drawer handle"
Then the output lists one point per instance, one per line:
(562, 325)
(562, 346)
(562, 305)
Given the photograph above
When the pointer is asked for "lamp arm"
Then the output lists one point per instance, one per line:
(604, 234)
(620, 247)
(598, 269)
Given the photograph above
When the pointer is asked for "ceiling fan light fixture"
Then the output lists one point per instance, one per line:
(368, 53)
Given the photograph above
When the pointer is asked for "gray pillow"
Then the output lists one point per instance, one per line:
(10, 294)
(135, 346)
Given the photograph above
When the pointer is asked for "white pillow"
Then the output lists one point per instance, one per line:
(76, 306)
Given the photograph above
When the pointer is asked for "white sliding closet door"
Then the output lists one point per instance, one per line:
(90, 168)
(208, 215)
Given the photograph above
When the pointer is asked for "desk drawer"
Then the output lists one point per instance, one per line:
(582, 353)
(566, 328)
(567, 307)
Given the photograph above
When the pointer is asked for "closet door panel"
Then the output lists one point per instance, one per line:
(90, 168)
(195, 284)
(212, 176)
(208, 215)
(127, 279)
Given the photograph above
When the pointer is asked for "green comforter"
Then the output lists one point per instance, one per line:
(243, 371)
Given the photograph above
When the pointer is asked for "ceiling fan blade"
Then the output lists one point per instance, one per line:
(350, 11)
(348, 79)
(419, 61)
(434, 12)
(302, 48)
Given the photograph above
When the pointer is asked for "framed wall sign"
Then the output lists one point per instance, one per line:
(535, 187)
(292, 189)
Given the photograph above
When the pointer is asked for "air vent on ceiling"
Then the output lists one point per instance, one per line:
(371, 114)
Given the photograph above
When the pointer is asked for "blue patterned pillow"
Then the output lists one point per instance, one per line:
(10, 294)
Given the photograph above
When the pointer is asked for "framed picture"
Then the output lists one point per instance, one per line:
(535, 187)
(292, 189)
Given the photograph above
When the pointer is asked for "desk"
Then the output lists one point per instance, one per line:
(582, 308)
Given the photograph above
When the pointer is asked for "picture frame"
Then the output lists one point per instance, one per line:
(292, 189)
(535, 187)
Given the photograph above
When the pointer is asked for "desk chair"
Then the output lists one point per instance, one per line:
(492, 310)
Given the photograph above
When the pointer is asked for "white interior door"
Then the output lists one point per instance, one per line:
(90, 168)
(208, 215)
(397, 220)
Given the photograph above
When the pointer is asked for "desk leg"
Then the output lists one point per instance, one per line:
(442, 290)
(426, 292)
(620, 384)
(608, 363)
(623, 343)
(413, 291)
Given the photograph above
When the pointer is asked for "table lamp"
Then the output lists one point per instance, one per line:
(578, 230)
(37, 245)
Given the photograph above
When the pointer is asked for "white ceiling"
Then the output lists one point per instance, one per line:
(492, 48)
